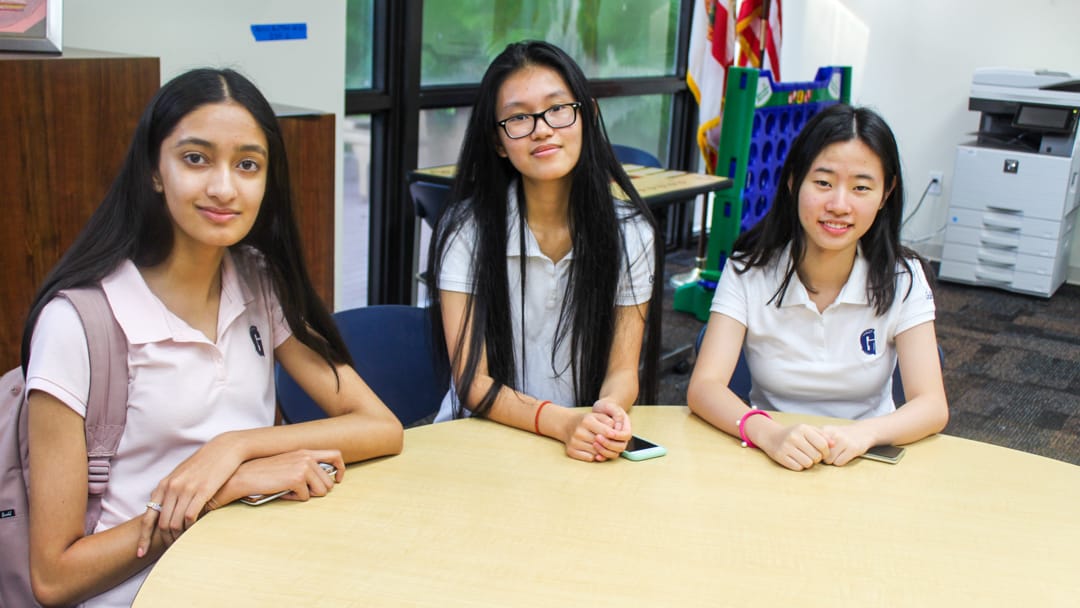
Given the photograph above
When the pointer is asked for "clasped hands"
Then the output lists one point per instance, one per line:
(599, 434)
(801, 446)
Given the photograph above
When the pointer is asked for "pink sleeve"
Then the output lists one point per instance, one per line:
(59, 358)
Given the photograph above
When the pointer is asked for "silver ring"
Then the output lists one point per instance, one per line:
(153, 505)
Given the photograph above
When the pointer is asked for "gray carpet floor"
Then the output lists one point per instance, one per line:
(1012, 363)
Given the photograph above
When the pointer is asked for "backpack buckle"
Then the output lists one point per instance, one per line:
(98, 476)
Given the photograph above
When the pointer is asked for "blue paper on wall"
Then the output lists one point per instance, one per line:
(279, 31)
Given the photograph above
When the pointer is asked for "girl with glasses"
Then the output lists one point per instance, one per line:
(542, 279)
(823, 299)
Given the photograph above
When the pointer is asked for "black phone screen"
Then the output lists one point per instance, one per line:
(637, 443)
(886, 451)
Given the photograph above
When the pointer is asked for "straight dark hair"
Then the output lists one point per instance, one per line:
(133, 222)
(480, 195)
(780, 227)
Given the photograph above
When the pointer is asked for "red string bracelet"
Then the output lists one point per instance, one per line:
(536, 420)
(746, 443)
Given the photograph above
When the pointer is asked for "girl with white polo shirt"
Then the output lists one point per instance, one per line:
(542, 280)
(197, 252)
(823, 299)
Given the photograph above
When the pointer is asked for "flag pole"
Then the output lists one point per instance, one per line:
(766, 6)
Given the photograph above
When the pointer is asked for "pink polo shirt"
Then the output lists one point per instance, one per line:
(183, 390)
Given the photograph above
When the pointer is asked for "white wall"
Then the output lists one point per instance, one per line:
(309, 73)
(913, 61)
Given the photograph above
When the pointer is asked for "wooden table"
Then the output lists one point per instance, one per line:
(477, 514)
(656, 186)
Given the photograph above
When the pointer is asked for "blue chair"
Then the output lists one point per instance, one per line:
(392, 348)
(629, 155)
(429, 200)
(740, 381)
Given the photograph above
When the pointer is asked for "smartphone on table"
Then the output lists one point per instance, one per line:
(258, 499)
(641, 449)
(885, 453)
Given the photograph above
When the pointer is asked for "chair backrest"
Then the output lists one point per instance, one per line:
(740, 382)
(429, 200)
(393, 351)
(629, 155)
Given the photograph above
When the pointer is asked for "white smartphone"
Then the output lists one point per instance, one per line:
(258, 499)
(640, 449)
(885, 453)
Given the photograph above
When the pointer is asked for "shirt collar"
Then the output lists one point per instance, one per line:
(854, 291)
(145, 319)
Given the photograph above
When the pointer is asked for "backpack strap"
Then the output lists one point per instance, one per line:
(106, 407)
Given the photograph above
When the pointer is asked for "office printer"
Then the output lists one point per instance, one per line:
(1014, 197)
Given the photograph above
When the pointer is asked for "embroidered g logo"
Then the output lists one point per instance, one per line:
(256, 340)
(868, 342)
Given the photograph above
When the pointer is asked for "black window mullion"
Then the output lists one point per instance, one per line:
(394, 152)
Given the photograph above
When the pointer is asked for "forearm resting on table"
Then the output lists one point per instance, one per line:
(710, 398)
(357, 435)
(510, 407)
(919, 418)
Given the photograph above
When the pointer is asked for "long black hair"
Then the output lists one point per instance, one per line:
(132, 222)
(480, 195)
(780, 227)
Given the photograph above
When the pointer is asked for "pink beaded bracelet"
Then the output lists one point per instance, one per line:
(746, 443)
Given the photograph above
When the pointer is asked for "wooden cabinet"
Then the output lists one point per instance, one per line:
(309, 145)
(65, 125)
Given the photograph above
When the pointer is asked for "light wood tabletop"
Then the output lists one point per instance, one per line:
(473, 513)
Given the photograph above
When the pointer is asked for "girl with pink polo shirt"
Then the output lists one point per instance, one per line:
(197, 252)
(823, 300)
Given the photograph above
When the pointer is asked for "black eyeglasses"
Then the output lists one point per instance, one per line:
(558, 116)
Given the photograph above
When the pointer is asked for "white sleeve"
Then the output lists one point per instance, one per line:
(917, 306)
(730, 297)
(59, 357)
(455, 273)
(636, 275)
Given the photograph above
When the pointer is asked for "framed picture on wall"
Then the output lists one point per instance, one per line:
(32, 26)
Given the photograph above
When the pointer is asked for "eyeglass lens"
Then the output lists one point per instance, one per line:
(557, 117)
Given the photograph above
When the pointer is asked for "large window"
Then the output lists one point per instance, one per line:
(608, 39)
(413, 68)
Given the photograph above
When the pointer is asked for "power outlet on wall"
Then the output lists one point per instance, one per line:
(936, 178)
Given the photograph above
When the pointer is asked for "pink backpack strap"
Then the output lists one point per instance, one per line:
(106, 407)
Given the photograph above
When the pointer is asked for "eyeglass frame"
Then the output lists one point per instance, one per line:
(576, 105)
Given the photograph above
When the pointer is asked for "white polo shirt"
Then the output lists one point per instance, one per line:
(545, 290)
(835, 363)
(183, 390)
